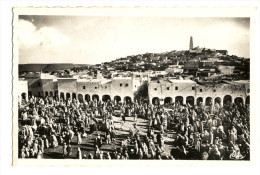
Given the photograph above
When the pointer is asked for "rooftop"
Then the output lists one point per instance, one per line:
(181, 81)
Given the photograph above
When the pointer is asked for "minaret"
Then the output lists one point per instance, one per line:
(191, 43)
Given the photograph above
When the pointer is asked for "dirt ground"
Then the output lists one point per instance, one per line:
(87, 145)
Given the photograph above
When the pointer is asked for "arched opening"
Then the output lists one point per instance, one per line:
(95, 97)
(105, 98)
(239, 100)
(155, 101)
(199, 101)
(23, 96)
(87, 97)
(217, 100)
(128, 99)
(179, 99)
(248, 100)
(56, 93)
(227, 100)
(46, 93)
(80, 98)
(62, 95)
(30, 93)
(67, 96)
(168, 100)
(208, 101)
(117, 99)
(74, 96)
(51, 93)
(190, 100)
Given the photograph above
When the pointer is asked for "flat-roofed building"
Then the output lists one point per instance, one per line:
(187, 91)
(22, 90)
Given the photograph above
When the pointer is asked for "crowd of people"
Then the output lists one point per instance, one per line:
(199, 132)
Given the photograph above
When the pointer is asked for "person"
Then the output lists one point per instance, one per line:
(79, 140)
(79, 154)
(69, 150)
(39, 154)
(98, 141)
(196, 130)
(64, 150)
(23, 155)
(233, 134)
(54, 141)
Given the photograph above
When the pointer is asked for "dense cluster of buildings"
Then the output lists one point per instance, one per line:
(193, 76)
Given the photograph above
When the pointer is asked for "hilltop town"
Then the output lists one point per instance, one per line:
(197, 67)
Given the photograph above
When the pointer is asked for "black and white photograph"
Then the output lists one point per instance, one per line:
(131, 87)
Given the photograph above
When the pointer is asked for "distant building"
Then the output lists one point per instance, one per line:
(213, 59)
(191, 43)
(222, 52)
(190, 92)
(226, 69)
(22, 90)
(194, 65)
(174, 69)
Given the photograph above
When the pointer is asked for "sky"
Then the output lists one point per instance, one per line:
(93, 40)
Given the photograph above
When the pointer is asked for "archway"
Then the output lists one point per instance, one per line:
(199, 101)
(74, 96)
(168, 100)
(105, 98)
(80, 98)
(62, 95)
(227, 100)
(128, 99)
(30, 93)
(87, 97)
(56, 93)
(208, 101)
(248, 100)
(239, 100)
(117, 99)
(190, 100)
(67, 96)
(51, 93)
(23, 96)
(217, 100)
(179, 99)
(155, 101)
(95, 97)
(46, 93)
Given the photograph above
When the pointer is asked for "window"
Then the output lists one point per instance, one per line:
(106, 87)
(168, 88)
(120, 84)
(126, 84)
(248, 90)
(200, 90)
(155, 89)
(214, 90)
(176, 88)
(84, 87)
(39, 83)
(193, 88)
(95, 87)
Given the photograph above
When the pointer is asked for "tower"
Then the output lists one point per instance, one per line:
(191, 43)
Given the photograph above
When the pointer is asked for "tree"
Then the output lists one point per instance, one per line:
(142, 93)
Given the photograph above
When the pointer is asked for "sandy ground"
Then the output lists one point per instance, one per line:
(87, 145)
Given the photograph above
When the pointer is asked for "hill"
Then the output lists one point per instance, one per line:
(47, 67)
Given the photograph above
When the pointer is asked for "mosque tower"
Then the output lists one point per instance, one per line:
(191, 43)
